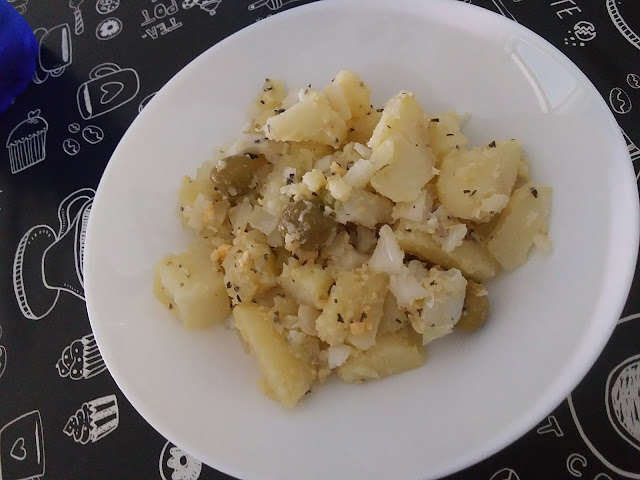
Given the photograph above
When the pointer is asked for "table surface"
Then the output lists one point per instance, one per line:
(52, 378)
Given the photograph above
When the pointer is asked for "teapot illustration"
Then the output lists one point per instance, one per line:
(48, 262)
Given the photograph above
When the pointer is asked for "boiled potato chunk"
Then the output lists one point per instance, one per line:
(471, 258)
(445, 135)
(403, 131)
(349, 95)
(476, 184)
(310, 120)
(393, 353)
(476, 308)
(361, 129)
(191, 288)
(307, 284)
(269, 99)
(354, 307)
(364, 208)
(286, 377)
(519, 223)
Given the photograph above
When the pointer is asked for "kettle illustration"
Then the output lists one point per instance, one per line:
(108, 88)
(54, 53)
(48, 262)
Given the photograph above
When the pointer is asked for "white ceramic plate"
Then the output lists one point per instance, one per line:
(477, 393)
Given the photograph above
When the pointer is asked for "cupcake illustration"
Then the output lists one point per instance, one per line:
(27, 142)
(48, 262)
(81, 360)
(94, 420)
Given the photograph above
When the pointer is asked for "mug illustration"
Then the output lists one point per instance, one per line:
(108, 28)
(81, 360)
(105, 7)
(27, 142)
(94, 420)
(20, 5)
(618, 12)
(108, 88)
(271, 4)
(505, 474)
(54, 52)
(22, 448)
(48, 262)
(611, 428)
(175, 464)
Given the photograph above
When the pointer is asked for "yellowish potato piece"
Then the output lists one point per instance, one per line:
(310, 120)
(364, 208)
(476, 308)
(286, 377)
(519, 223)
(191, 287)
(356, 298)
(476, 184)
(393, 353)
(269, 99)
(361, 129)
(349, 95)
(310, 149)
(307, 284)
(403, 131)
(471, 258)
(445, 135)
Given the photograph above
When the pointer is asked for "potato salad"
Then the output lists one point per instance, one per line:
(334, 236)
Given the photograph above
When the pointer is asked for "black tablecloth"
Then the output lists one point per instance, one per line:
(61, 414)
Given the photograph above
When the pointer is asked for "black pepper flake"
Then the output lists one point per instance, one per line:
(314, 194)
(268, 128)
(238, 298)
(492, 144)
(435, 120)
(322, 207)
(257, 141)
(268, 89)
(534, 192)
(279, 111)
(289, 181)
(266, 257)
(309, 86)
(181, 284)
(182, 209)
(236, 288)
(335, 300)
(433, 282)
(340, 319)
(262, 102)
(473, 193)
(293, 280)
(336, 140)
(307, 392)
(449, 134)
(379, 110)
(295, 256)
(420, 311)
(363, 317)
(466, 191)
(457, 147)
(171, 306)
(352, 129)
(398, 320)
(368, 113)
(252, 156)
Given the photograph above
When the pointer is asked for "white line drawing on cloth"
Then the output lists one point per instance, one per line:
(209, 6)
(621, 24)
(20, 5)
(109, 87)
(270, 4)
(160, 10)
(626, 321)
(3, 355)
(0, 211)
(633, 79)
(108, 28)
(619, 101)
(27, 142)
(623, 400)
(105, 7)
(94, 420)
(504, 11)
(634, 151)
(22, 448)
(55, 52)
(582, 32)
(176, 464)
(81, 360)
(145, 101)
(505, 474)
(70, 146)
(550, 426)
(78, 22)
(92, 134)
(572, 460)
(602, 476)
(74, 128)
(53, 253)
